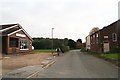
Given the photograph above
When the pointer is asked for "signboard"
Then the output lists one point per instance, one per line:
(105, 36)
(20, 35)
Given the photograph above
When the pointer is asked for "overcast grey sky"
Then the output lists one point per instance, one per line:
(71, 18)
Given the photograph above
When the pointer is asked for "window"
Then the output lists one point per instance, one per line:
(96, 35)
(97, 38)
(13, 42)
(114, 37)
(23, 44)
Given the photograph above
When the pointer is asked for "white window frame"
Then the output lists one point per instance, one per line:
(28, 44)
(114, 35)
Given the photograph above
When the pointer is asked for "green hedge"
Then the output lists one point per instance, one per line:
(65, 48)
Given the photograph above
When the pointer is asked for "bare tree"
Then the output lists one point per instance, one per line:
(95, 29)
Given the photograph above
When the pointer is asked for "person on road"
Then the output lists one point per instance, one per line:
(58, 51)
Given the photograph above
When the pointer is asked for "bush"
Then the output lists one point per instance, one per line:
(65, 48)
(83, 50)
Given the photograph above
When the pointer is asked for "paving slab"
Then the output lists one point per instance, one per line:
(23, 72)
(29, 70)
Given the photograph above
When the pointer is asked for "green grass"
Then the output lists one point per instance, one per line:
(113, 56)
(45, 50)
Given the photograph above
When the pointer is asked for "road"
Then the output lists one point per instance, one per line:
(76, 64)
(0, 69)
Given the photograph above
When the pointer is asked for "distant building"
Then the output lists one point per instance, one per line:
(88, 42)
(84, 45)
(80, 45)
(15, 39)
(105, 39)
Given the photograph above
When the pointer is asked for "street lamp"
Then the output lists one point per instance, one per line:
(52, 38)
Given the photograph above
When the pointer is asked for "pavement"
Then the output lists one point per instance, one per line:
(0, 69)
(29, 71)
(76, 64)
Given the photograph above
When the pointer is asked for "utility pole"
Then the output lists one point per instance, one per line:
(52, 39)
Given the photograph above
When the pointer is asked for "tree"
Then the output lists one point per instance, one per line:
(71, 44)
(78, 43)
(42, 43)
(79, 40)
(93, 30)
(57, 43)
(65, 41)
(46, 43)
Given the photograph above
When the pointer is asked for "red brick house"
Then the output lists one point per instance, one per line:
(106, 39)
(80, 45)
(15, 39)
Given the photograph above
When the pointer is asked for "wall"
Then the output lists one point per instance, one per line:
(9, 49)
(108, 31)
(97, 46)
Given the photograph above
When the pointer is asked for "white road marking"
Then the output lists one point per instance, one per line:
(41, 69)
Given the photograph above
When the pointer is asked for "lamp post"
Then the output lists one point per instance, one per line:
(52, 38)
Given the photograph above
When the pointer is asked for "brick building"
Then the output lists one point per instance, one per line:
(105, 39)
(15, 39)
(80, 45)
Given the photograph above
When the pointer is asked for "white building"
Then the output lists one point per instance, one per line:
(88, 42)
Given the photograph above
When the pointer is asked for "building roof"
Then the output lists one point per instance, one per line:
(6, 26)
(9, 29)
(106, 27)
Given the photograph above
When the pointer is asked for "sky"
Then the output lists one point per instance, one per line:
(71, 19)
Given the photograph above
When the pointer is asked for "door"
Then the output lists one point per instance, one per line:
(106, 46)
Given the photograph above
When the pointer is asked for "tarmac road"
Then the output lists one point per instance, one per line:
(76, 64)
(0, 67)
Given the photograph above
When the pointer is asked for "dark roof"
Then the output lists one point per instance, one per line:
(106, 27)
(6, 26)
(10, 30)
(5, 30)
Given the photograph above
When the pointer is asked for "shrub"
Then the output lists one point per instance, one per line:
(65, 48)
(83, 50)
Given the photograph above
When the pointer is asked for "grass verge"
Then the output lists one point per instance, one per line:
(45, 50)
(111, 56)
(114, 58)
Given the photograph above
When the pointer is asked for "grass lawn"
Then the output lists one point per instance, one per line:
(45, 50)
(113, 56)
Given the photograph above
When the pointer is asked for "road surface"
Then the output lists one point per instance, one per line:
(76, 64)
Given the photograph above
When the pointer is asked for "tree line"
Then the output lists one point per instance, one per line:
(46, 43)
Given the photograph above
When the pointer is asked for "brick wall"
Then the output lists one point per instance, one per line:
(98, 38)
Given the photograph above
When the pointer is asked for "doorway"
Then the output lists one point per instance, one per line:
(106, 47)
